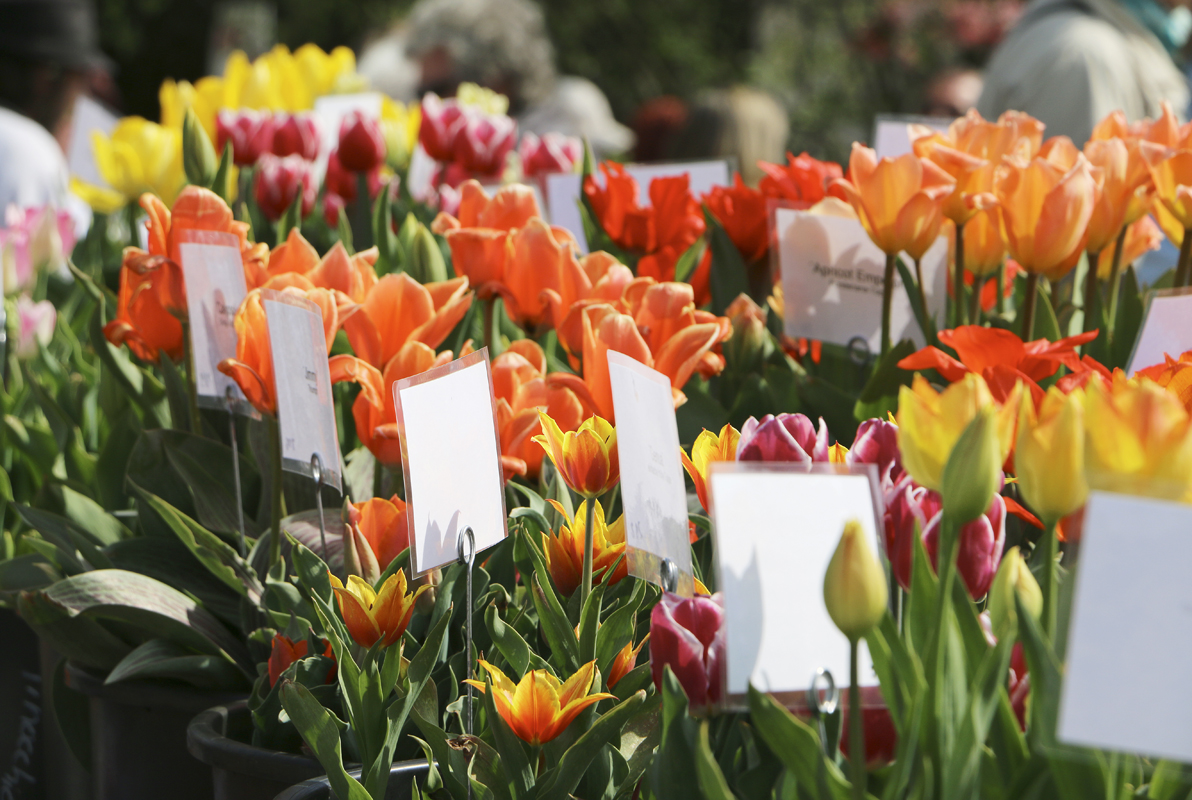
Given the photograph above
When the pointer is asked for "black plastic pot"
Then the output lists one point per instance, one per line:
(220, 736)
(401, 775)
(22, 747)
(138, 738)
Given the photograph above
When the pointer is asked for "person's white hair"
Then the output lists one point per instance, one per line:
(491, 42)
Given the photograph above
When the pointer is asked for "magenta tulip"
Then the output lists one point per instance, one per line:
(877, 443)
(787, 437)
(484, 142)
(442, 121)
(685, 635)
(296, 135)
(554, 152)
(979, 549)
(277, 184)
(907, 503)
(361, 145)
(250, 132)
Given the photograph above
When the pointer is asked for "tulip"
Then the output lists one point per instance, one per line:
(908, 508)
(344, 184)
(382, 523)
(625, 661)
(1014, 583)
(1141, 237)
(1049, 455)
(539, 708)
(198, 156)
(978, 548)
(709, 447)
(399, 127)
(285, 651)
(35, 326)
(564, 550)
(741, 211)
(930, 423)
(399, 310)
(440, 125)
(552, 153)
(372, 616)
(541, 272)
(361, 146)
(296, 263)
(148, 306)
(278, 182)
(484, 141)
(876, 442)
(685, 635)
(804, 181)
(139, 156)
(33, 239)
(296, 135)
(787, 437)
(1173, 374)
(250, 133)
(855, 591)
(973, 471)
(586, 458)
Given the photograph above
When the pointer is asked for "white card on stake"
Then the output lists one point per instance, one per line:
(1165, 329)
(1126, 682)
(891, 138)
(563, 189)
(305, 406)
(832, 278)
(776, 527)
(215, 288)
(89, 117)
(653, 493)
(451, 454)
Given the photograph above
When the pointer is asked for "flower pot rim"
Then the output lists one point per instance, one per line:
(157, 694)
(207, 740)
(310, 789)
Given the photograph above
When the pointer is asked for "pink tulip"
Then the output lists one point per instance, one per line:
(296, 135)
(250, 132)
(484, 142)
(361, 145)
(277, 184)
(787, 437)
(907, 503)
(877, 443)
(979, 549)
(554, 152)
(33, 239)
(35, 325)
(442, 121)
(685, 635)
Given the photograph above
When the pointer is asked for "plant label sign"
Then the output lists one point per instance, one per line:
(891, 138)
(451, 455)
(776, 527)
(215, 288)
(1126, 679)
(563, 190)
(652, 488)
(1165, 329)
(832, 280)
(305, 405)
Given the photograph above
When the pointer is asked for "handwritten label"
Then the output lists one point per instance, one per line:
(451, 455)
(305, 407)
(652, 488)
(833, 276)
(563, 190)
(1126, 674)
(1165, 329)
(215, 287)
(776, 528)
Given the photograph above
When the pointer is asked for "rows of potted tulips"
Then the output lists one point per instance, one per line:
(122, 518)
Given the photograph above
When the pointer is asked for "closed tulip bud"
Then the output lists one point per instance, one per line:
(973, 471)
(750, 343)
(1013, 579)
(296, 135)
(198, 156)
(361, 146)
(249, 132)
(855, 589)
(426, 259)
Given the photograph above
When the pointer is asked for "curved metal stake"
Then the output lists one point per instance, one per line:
(236, 470)
(316, 471)
(465, 549)
(668, 576)
(825, 707)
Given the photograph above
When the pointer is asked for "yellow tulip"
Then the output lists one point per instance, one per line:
(538, 708)
(930, 422)
(855, 589)
(205, 97)
(399, 126)
(140, 156)
(709, 447)
(586, 458)
(1138, 439)
(1049, 455)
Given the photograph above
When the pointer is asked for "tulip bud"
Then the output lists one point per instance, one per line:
(198, 156)
(855, 589)
(1013, 579)
(296, 134)
(35, 326)
(361, 146)
(426, 263)
(974, 468)
(750, 343)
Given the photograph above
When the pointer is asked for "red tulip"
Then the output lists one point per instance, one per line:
(296, 135)
(804, 181)
(332, 205)
(277, 184)
(787, 437)
(554, 152)
(250, 132)
(484, 141)
(741, 211)
(442, 121)
(907, 503)
(684, 635)
(1019, 684)
(361, 145)
(343, 183)
(979, 549)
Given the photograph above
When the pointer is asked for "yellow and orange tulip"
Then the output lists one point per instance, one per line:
(625, 661)
(1049, 455)
(709, 447)
(539, 708)
(586, 458)
(372, 616)
(564, 550)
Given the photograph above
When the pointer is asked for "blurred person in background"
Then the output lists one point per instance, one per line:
(48, 51)
(1071, 62)
(953, 93)
(385, 63)
(656, 124)
(743, 124)
(503, 45)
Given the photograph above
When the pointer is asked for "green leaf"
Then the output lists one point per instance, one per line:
(1129, 319)
(161, 659)
(215, 503)
(711, 779)
(512, 646)
(177, 394)
(728, 277)
(223, 185)
(880, 394)
(911, 287)
(797, 746)
(72, 711)
(555, 626)
(92, 518)
(79, 638)
(617, 630)
(560, 782)
(291, 217)
(321, 730)
(685, 266)
(68, 536)
(1047, 325)
(588, 622)
(23, 573)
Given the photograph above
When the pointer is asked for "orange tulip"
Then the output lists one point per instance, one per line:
(539, 708)
(586, 458)
(1171, 170)
(478, 238)
(295, 262)
(399, 310)
(1174, 375)
(382, 523)
(984, 250)
(1141, 237)
(625, 661)
(540, 259)
(564, 550)
(372, 616)
(1125, 192)
(709, 447)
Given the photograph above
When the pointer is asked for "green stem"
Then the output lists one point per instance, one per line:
(1090, 293)
(1183, 270)
(362, 234)
(919, 280)
(958, 280)
(1115, 282)
(585, 585)
(1028, 306)
(275, 488)
(378, 478)
(887, 301)
(975, 300)
(856, 733)
(130, 214)
(490, 325)
(1001, 288)
(1050, 580)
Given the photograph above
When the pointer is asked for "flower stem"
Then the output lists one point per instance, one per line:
(856, 734)
(585, 585)
(1184, 266)
(362, 235)
(1090, 293)
(275, 488)
(887, 301)
(490, 322)
(1050, 587)
(1115, 282)
(1000, 307)
(958, 280)
(919, 279)
(975, 300)
(1028, 306)
(378, 478)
